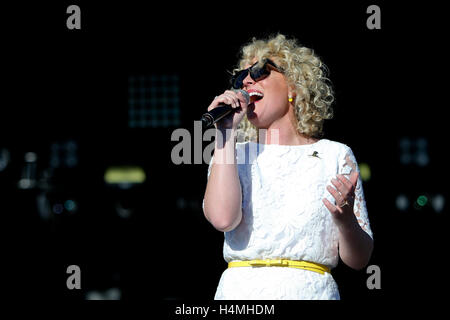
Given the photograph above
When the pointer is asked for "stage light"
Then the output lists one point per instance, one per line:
(405, 151)
(30, 157)
(402, 202)
(63, 154)
(70, 205)
(438, 202)
(414, 151)
(43, 206)
(153, 101)
(181, 203)
(124, 175)
(122, 212)
(109, 294)
(24, 184)
(422, 200)
(28, 177)
(4, 159)
(422, 158)
(364, 170)
(58, 208)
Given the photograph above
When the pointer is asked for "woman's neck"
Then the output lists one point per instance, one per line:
(284, 132)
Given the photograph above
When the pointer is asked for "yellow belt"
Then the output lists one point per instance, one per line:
(306, 265)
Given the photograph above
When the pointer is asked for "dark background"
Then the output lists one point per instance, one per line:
(61, 85)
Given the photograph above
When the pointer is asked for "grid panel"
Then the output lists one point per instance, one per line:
(153, 101)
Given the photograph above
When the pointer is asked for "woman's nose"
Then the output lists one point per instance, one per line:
(248, 80)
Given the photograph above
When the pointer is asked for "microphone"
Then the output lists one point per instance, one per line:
(222, 110)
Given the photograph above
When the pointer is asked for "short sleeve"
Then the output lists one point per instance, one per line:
(347, 165)
(209, 172)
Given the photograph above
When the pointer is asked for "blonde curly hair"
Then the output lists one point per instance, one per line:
(304, 71)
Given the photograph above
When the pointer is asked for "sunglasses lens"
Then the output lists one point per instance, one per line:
(258, 74)
(237, 81)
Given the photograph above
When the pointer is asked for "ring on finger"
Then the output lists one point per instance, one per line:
(344, 204)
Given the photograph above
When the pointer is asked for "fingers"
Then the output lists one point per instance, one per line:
(344, 190)
(346, 184)
(228, 97)
(233, 99)
(336, 195)
(331, 207)
(236, 96)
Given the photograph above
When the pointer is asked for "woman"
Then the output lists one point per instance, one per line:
(289, 203)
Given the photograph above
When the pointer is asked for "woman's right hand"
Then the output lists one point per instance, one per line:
(236, 100)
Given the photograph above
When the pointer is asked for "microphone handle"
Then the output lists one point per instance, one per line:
(222, 110)
(216, 114)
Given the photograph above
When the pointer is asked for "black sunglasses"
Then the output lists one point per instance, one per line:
(256, 73)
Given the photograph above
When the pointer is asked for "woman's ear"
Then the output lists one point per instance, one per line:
(292, 94)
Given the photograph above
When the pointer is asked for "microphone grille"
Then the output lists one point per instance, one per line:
(245, 94)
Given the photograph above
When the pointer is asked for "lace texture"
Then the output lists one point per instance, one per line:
(283, 217)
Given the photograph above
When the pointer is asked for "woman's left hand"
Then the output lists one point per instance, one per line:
(344, 194)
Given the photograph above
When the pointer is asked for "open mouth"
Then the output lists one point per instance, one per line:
(255, 96)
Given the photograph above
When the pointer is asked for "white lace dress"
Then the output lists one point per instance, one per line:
(284, 218)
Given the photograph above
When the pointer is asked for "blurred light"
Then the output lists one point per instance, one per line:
(124, 175)
(438, 202)
(109, 294)
(405, 143)
(4, 159)
(123, 212)
(28, 176)
(70, 205)
(181, 203)
(402, 202)
(64, 154)
(153, 101)
(43, 206)
(422, 143)
(30, 157)
(172, 298)
(188, 204)
(71, 145)
(124, 185)
(54, 162)
(422, 200)
(405, 146)
(364, 170)
(71, 161)
(414, 151)
(422, 159)
(25, 184)
(405, 158)
(58, 208)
